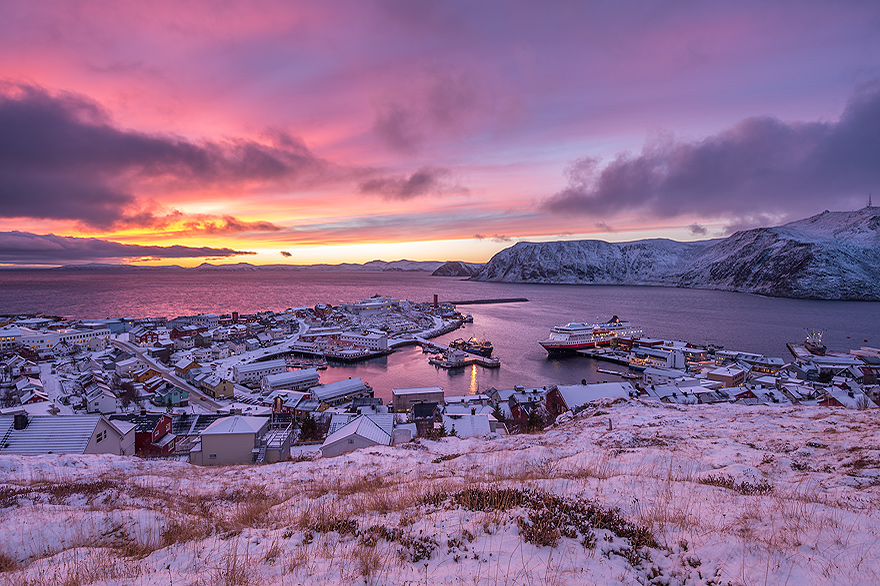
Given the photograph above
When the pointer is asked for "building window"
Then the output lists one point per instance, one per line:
(212, 456)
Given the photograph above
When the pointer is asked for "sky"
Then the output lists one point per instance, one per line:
(328, 131)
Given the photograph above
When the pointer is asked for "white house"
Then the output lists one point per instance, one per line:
(59, 434)
(241, 439)
(361, 432)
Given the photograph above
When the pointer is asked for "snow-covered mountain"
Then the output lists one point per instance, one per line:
(833, 255)
(455, 268)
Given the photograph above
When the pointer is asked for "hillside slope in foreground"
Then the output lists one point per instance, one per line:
(623, 493)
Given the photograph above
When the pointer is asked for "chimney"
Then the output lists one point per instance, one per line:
(20, 421)
(435, 301)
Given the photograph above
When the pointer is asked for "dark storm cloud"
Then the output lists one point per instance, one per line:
(425, 181)
(24, 247)
(697, 229)
(61, 158)
(760, 163)
(285, 254)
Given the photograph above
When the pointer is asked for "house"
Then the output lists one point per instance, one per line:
(28, 435)
(361, 432)
(466, 425)
(402, 400)
(523, 402)
(142, 336)
(153, 384)
(242, 439)
(214, 386)
(562, 398)
(144, 374)
(170, 396)
(128, 366)
(731, 376)
(185, 366)
(846, 395)
(153, 432)
(101, 400)
(424, 411)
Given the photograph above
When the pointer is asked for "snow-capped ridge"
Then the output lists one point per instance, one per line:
(832, 255)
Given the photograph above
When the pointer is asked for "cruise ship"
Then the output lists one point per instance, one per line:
(578, 336)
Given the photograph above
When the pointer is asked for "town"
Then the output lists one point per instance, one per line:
(243, 389)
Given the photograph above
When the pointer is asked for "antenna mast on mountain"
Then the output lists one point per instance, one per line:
(869, 199)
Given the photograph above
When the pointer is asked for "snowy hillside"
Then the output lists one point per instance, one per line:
(625, 493)
(590, 261)
(834, 255)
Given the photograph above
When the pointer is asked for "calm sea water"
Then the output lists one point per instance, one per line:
(734, 320)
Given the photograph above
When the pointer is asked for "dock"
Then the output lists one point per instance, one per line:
(466, 361)
(628, 375)
(489, 301)
(606, 356)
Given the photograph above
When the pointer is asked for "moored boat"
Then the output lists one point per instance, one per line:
(572, 337)
(473, 346)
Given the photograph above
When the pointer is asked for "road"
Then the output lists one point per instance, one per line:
(169, 376)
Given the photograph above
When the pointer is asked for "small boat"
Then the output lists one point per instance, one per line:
(814, 344)
(473, 346)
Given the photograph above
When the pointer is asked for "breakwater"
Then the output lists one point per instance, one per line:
(489, 301)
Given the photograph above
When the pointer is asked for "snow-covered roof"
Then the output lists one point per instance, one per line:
(417, 391)
(288, 398)
(338, 389)
(235, 424)
(258, 366)
(293, 376)
(577, 395)
(467, 425)
(363, 426)
(123, 426)
(54, 434)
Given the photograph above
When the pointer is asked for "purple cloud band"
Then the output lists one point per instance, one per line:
(761, 164)
(24, 247)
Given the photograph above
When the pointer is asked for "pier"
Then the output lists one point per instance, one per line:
(465, 361)
(489, 301)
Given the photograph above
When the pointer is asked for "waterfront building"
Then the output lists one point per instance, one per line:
(730, 376)
(402, 400)
(371, 341)
(254, 373)
(295, 380)
(340, 392)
